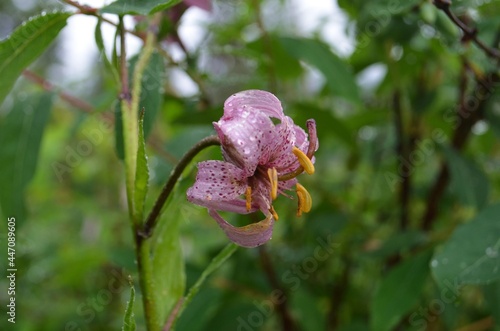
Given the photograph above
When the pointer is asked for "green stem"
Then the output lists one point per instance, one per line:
(143, 237)
(144, 266)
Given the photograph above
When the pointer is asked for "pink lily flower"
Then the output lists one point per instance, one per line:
(261, 161)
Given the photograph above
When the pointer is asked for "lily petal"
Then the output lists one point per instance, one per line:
(244, 138)
(219, 185)
(253, 100)
(251, 235)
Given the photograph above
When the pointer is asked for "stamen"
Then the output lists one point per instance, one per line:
(273, 212)
(304, 200)
(272, 173)
(304, 161)
(248, 196)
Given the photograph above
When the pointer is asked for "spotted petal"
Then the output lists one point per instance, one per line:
(219, 185)
(244, 138)
(253, 100)
(252, 235)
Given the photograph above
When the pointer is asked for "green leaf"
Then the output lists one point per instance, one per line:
(141, 174)
(280, 61)
(169, 278)
(492, 298)
(399, 291)
(214, 265)
(26, 44)
(100, 45)
(399, 242)
(339, 78)
(472, 254)
(129, 320)
(151, 98)
(138, 7)
(21, 134)
(468, 183)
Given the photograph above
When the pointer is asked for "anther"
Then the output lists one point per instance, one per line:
(248, 196)
(304, 200)
(304, 161)
(272, 173)
(274, 213)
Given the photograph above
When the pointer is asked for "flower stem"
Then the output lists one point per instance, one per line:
(152, 219)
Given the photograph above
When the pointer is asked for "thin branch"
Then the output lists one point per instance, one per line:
(467, 115)
(484, 324)
(49, 87)
(402, 151)
(125, 89)
(469, 33)
(91, 11)
(152, 219)
(173, 315)
(287, 322)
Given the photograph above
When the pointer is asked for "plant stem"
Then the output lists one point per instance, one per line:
(152, 219)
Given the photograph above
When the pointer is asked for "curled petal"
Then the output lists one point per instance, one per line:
(253, 100)
(219, 185)
(252, 235)
(244, 138)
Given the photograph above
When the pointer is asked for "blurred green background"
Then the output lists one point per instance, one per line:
(404, 233)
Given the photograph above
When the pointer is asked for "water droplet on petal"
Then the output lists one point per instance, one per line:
(434, 263)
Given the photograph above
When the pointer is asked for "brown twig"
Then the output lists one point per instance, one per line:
(482, 325)
(125, 88)
(469, 33)
(173, 315)
(49, 87)
(468, 113)
(287, 322)
(402, 151)
(91, 11)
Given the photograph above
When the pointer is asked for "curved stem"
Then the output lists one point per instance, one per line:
(152, 219)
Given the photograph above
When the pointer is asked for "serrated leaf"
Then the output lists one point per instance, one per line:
(21, 133)
(468, 183)
(138, 7)
(128, 319)
(151, 98)
(472, 254)
(340, 79)
(26, 44)
(399, 291)
(141, 174)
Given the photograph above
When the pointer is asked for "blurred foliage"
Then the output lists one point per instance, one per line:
(404, 232)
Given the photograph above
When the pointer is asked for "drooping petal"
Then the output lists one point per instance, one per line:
(244, 137)
(251, 235)
(219, 185)
(253, 100)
